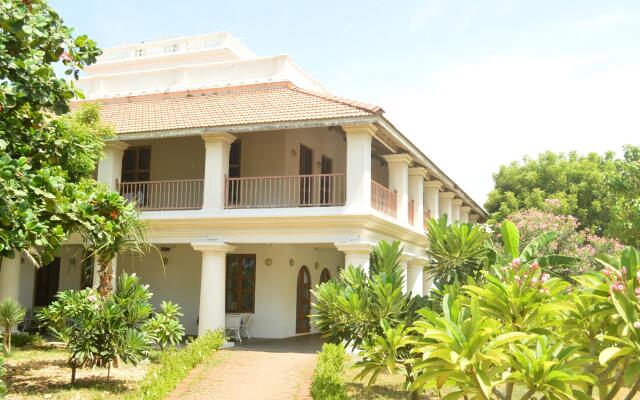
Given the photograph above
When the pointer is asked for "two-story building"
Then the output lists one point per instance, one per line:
(255, 182)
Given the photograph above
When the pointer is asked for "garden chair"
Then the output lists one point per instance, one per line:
(244, 326)
(232, 326)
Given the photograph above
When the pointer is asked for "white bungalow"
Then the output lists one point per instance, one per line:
(255, 182)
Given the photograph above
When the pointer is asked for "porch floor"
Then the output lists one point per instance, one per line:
(256, 369)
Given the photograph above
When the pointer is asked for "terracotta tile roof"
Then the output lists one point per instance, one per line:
(231, 106)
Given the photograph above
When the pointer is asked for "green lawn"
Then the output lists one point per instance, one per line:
(42, 372)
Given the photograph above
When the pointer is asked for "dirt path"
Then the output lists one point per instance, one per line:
(260, 370)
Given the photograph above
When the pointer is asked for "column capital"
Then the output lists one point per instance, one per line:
(474, 218)
(213, 248)
(433, 184)
(116, 145)
(446, 195)
(355, 247)
(418, 261)
(368, 129)
(456, 202)
(465, 209)
(418, 171)
(401, 158)
(216, 137)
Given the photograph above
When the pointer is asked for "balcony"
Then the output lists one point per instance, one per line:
(286, 191)
(383, 199)
(184, 194)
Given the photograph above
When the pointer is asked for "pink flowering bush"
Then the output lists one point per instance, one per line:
(570, 240)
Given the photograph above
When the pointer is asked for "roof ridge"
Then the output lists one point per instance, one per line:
(340, 100)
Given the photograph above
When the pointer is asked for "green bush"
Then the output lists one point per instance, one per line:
(327, 381)
(2, 386)
(174, 366)
(26, 339)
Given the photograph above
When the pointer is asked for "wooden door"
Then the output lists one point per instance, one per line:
(325, 181)
(235, 161)
(303, 301)
(47, 280)
(240, 283)
(136, 167)
(305, 168)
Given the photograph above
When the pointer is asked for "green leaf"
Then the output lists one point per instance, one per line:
(611, 353)
(632, 373)
(531, 250)
(454, 395)
(509, 337)
(510, 238)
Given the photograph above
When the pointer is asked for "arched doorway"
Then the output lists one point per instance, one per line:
(303, 301)
(325, 276)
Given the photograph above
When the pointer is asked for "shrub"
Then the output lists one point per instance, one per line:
(26, 339)
(11, 314)
(327, 381)
(102, 331)
(3, 388)
(164, 326)
(174, 366)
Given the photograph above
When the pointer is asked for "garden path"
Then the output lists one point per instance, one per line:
(260, 369)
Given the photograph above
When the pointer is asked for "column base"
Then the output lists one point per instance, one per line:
(228, 345)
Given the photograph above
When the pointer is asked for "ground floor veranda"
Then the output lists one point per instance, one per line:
(209, 279)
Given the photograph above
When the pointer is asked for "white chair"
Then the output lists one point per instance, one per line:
(232, 326)
(244, 327)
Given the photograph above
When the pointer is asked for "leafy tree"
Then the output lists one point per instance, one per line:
(624, 182)
(458, 251)
(577, 183)
(102, 331)
(11, 314)
(47, 161)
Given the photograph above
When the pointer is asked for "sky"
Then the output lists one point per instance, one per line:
(475, 84)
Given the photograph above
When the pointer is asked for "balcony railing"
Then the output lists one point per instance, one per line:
(383, 199)
(286, 191)
(411, 212)
(185, 194)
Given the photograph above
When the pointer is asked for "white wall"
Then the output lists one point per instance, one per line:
(178, 281)
(275, 296)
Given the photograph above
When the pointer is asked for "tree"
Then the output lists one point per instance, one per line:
(578, 184)
(11, 314)
(624, 181)
(47, 161)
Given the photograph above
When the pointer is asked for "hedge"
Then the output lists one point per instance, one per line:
(174, 366)
(327, 383)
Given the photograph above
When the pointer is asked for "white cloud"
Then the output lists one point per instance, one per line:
(607, 21)
(474, 118)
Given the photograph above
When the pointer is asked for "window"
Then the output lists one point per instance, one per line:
(46, 285)
(240, 283)
(136, 165)
(325, 276)
(87, 272)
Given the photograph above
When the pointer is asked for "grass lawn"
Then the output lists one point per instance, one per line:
(42, 372)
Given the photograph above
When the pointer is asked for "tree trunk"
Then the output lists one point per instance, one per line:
(105, 273)
(73, 375)
(7, 340)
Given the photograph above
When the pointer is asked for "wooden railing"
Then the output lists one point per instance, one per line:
(184, 194)
(286, 191)
(383, 199)
(411, 212)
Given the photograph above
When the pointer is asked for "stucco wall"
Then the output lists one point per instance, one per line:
(275, 307)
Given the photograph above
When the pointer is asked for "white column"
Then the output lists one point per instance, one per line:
(464, 214)
(455, 210)
(212, 285)
(415, 275)
(216, 168)
(416, 194)
(359, 165)
(356, 254)
(404, 266)
(431, 198)
(399, 182)
(444, 199)
(474, 218)
(10, 277)
(110, 167)
(428, 282)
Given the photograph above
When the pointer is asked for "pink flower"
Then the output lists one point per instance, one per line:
(535, 265)
(534, 280)
(636, 324)
(624, 270)
(92, 298)
(606, 272)
(638, 291)
(516, 262)
(545, 277)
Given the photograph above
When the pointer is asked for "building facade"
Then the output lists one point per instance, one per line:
(256, 184)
